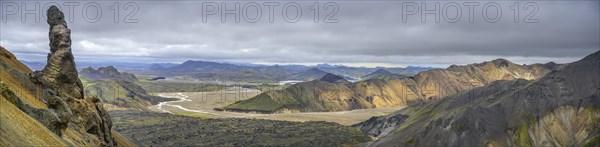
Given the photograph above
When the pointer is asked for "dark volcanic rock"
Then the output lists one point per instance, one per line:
(63, 91)
(151, 129)
(60, 72)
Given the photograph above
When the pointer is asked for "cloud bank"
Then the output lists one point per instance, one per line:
(377, 33)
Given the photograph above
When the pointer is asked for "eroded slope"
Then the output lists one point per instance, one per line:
(560, 109)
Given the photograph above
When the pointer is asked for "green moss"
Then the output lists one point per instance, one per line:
(592, 112)
(148, 127)
(410, 140)
(594, 142)
(523, 139)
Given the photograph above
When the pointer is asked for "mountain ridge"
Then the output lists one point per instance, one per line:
(222, 71)
(109, 72)
(559, 109)
(315, 96)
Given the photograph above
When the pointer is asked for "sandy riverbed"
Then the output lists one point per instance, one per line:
(205, 102)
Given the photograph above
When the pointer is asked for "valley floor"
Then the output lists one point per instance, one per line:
(201, 104)
(162, 129)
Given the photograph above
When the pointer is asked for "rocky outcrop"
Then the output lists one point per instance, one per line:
(62, 91)
(381, 126)
(60, 72)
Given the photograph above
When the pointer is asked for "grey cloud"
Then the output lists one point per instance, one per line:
(367, 32)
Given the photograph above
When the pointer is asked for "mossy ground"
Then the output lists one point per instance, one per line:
(161, 129)
(522, 136)
(594, 142)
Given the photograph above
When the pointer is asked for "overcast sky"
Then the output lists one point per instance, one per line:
(366, 33)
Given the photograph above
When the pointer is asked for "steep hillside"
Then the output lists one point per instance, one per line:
(560, 109)
(10, 60)
(423, 87)
(117, 90)
(48, 107)
(19, 127)
(121, 94)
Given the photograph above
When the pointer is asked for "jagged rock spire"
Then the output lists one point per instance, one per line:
(61, 70)
(55, 17)
(63, 91)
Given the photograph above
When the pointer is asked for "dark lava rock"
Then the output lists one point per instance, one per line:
(63, 91)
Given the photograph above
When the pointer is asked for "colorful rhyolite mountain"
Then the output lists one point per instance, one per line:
(425, 86)
(560, 109)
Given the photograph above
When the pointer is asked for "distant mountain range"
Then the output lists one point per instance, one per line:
(310, 74)
(84, 64)
(108, 72)
(239, 72)
(382, 74)
(161, 66)
(204, 70)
